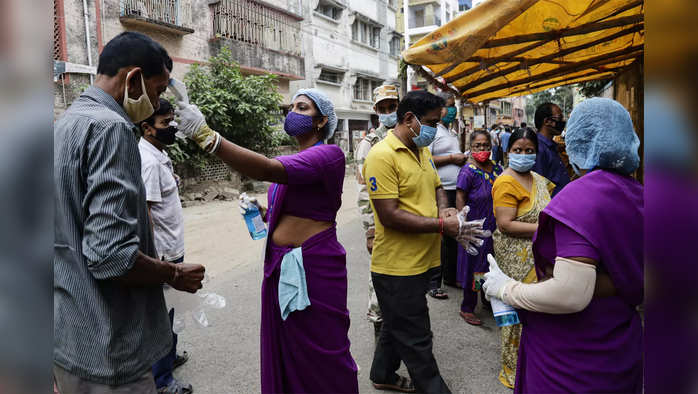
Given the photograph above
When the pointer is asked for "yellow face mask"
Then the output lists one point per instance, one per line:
(140, 109)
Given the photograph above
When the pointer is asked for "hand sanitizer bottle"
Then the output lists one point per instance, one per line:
(255, 224)
(504, 314)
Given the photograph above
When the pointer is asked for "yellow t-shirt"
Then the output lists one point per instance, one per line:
(508, 192)
(391, 171)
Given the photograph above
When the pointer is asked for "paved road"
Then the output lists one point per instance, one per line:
(225, 355)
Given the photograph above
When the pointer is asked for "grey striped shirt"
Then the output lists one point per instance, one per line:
(104, 331)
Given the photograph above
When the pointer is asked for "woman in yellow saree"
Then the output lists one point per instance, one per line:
(518, 195)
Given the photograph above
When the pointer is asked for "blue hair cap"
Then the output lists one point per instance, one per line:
(600, 134)
(324, 105)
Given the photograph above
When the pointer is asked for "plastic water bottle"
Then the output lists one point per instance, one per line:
(504, 314)
(255, 224)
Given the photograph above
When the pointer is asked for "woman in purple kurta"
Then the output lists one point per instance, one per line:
(474, 189)
(597, 218)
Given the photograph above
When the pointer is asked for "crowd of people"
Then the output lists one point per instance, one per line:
(567, 255)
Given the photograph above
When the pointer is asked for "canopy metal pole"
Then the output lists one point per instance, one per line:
(86, 15)
(405, 12)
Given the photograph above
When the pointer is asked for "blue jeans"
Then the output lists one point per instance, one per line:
(162, 370)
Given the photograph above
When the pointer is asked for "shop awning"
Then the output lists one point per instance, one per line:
(506, 48)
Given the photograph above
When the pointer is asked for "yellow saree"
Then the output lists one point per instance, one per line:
(515, 257)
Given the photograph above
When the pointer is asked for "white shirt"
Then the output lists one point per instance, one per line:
(162, 194)
(444, 144)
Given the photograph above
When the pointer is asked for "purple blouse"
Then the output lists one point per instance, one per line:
(315, 180)
(565, 242)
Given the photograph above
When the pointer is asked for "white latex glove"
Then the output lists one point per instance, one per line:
(190, 118)
(495, 280)
(471, 234)
(246, 201)
(193, 125)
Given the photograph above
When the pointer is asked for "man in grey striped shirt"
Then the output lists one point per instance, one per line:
(110, 320)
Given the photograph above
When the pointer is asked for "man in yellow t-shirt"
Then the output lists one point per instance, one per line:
(411, 211)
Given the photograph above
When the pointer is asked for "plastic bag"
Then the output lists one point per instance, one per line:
(471, 235)
(209, 301)
(200, 317)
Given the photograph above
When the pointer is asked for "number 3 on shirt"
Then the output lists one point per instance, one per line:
(372, 181)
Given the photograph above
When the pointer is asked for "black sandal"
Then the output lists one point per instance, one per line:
(439, 294)
(180, 359)
(402, 384)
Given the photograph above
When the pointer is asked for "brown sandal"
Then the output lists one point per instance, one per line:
(471, 319)
(402, 384)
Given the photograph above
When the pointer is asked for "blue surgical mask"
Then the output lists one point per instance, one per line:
(521, 162)
(426, 135)
(389, 120)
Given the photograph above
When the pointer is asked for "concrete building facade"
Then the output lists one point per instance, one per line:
(423, 17)
(350, 47)
(264, 37)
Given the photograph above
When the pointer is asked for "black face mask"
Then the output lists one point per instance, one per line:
(166, 135)
(559, 125)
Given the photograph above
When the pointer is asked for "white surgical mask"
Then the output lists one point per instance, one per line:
(140, 109)
(389, 120)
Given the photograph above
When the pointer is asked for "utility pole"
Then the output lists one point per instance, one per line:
(408, 70)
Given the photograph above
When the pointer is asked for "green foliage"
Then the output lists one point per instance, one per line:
(563, 96)
(536, 99)
(402, 69)
(592, 88)
(179, 155)
(244, 109)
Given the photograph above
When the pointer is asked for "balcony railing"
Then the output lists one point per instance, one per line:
(172, 12)
(257, 24)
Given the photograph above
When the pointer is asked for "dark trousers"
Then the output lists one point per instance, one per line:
(406, 333)
(449, 256)
(162, 369)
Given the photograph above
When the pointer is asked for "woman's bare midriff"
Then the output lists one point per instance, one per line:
(294, 230)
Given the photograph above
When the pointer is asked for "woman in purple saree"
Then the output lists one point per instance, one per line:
(305, 320)
(581, 328)
(306, 349)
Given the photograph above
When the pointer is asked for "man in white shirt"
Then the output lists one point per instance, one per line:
(448, 160)
(165, 210)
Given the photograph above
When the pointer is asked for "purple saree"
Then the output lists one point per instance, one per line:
(309, 351)
(599, 349)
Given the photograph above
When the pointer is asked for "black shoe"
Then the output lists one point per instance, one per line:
(176, 387)
(402, 384)
(180, 359)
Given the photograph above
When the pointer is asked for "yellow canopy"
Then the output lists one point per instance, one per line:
(505, 48)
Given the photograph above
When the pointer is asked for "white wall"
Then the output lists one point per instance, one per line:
(366, 7)
(390, 22)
